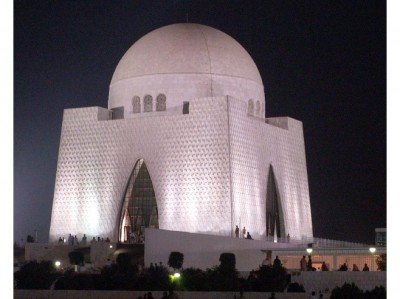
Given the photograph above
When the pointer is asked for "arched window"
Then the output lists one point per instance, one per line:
(136, 104)
(161, 104)
(139, 209)
(250, 107)
(258, 108)
(274, 223)
(148, 103)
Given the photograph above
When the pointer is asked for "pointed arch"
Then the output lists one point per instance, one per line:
(139, 209)
(274, 217)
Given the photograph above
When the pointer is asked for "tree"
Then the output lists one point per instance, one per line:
(228, 261)
(34, 275)
(76, 258)
(175, 260)
(381, 262)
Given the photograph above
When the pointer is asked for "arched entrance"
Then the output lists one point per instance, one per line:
(139, 210)
(273, 217)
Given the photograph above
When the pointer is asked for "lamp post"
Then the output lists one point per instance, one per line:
(372, 250)
(309, 251)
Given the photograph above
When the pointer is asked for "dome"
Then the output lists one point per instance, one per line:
(182, 62)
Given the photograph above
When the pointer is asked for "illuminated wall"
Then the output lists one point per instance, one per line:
(209, 170)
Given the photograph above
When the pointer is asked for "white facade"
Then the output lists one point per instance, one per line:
(213, 160)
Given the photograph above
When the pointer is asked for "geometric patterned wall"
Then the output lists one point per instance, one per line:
(256, 146)
(209, 169)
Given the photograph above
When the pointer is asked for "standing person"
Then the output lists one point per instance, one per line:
(366, 268)
(355, 268)
(324, 267)
(244, 232)
(237, 231)
(303, 264)
(266, 262)
(277, 262)
(309, 264)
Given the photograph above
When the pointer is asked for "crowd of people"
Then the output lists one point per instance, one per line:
(73, 240)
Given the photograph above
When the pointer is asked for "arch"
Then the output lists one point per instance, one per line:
(136, 104)
(148, 103)
(139, 209)
(274, 219)
(250, 107)
(161, 102)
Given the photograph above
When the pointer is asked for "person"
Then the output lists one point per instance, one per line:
(309, 264)
(324, 267)
(93, 240)
(277, 262)
(303, 264)
(266, 262)
(244, 232)
(237, 231)
(150, 295)
(366, 268)
(75, 240)
(343, 267)
(241, 296)
(321, 295)
(249, 236)
(288, 238)
(312, 296)
(355, 268)
(84, 239)
(60, 241)
(272, 296)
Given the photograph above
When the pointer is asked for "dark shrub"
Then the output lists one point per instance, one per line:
(34, 275)
(376, 293)
(194, 280)
(347, 291)
(269, 279)
(295, 288)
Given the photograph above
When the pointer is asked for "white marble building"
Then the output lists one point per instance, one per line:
(183, 146)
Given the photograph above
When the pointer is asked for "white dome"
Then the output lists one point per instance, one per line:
(182, 62)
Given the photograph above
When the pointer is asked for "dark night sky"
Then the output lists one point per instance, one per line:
(322, 62)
